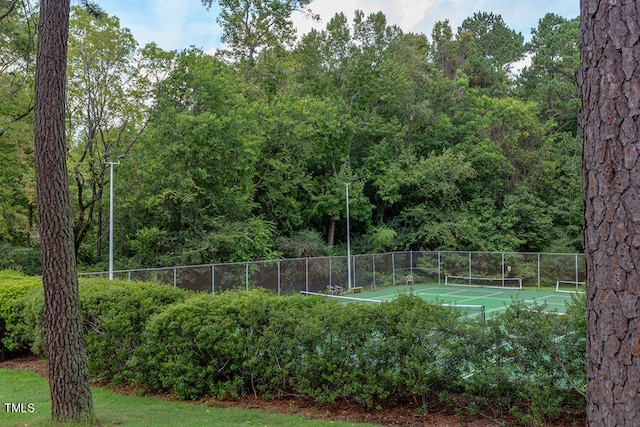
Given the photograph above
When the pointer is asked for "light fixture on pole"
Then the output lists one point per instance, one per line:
(348, 242)
(111, 164)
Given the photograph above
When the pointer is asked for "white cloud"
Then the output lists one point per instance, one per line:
(178, 24)
(420, 16)
(172, 24)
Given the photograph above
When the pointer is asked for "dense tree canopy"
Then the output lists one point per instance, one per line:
(246, 154)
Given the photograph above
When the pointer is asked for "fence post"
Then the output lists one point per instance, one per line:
(213, 279)
(411, 262)
(439, 270)
(393, 267)
(175, 277)
(278, 277)
(373, 267)
(538, 271)
(246, 275)
(354, 270)
(306, 274)
(330, 271)
(470, 275)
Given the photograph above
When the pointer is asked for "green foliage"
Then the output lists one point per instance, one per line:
(226, 161)
(532, 362)
(24, 259)
(525, 361)
(206, 345)
(14, 287)
(250, 26)
(17, 70)
(551, 79)
(114, 315)
(306, 243)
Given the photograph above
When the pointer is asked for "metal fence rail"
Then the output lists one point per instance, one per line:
(290, 276)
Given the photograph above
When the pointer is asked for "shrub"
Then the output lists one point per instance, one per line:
(525, 361)
(24, 259)
(532, 362)
(114, 314)
(14, 287)
(214, 345)
(239, 342)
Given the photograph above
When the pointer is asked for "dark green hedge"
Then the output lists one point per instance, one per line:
(159, 338)
(14, 287)
(114, 314)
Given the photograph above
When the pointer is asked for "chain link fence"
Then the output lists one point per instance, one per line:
(290, 276)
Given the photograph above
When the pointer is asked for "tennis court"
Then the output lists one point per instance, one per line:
(474, 299)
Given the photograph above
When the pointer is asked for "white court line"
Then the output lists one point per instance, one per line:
(428, 292)
(483, 297)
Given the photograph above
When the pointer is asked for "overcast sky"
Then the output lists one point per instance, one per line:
(179, 24)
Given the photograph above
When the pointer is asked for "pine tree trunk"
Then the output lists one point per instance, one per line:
(610, 121)
(68, 373)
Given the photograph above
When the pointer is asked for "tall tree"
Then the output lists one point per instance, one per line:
(249, 26)
(107, 97)
(495, 46)
(71, 399)
(610, 89)
(552, 78)
(17, 179)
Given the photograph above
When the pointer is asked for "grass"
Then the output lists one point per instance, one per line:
(32, 391)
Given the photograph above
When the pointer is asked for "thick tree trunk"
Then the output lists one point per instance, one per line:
(610, 121)
(68, 373)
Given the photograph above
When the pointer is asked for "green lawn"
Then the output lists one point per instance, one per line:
(32, 391)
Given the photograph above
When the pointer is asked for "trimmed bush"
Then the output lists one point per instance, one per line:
(524, 361)
(18, 258)
(114, 314)
(531, 362)
(214, 345)
(14, 286)
(240, 342)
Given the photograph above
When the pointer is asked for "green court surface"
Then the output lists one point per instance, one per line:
(494, 300)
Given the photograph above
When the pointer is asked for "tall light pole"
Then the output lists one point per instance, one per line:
(348, 242)
(111, 164)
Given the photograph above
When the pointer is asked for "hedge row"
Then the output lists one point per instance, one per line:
(164, 339)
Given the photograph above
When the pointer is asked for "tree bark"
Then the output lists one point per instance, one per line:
(71, 399)
(610, 122)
